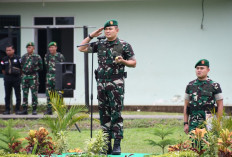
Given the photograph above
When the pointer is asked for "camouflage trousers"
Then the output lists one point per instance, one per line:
(197, 118)
(30, 82)
(50, 86)
(110, 105)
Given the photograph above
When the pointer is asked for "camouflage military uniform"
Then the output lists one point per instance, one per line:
(50, 63)
(110, 84)
(31, 64)
(202, 96)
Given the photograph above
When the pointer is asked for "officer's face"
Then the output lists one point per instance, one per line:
(10, 51)
(202, 71)
(30, 49)
(111, 32)
(52, 49)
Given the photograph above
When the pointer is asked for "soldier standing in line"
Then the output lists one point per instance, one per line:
(200, 97)
(50, 61)
(113, 55)
(11, 68)
(31, 64)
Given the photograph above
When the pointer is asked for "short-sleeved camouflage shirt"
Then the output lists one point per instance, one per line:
(107, 51)
(202, 95)
(51, 60)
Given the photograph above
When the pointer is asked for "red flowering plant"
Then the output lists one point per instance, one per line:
(39, 142)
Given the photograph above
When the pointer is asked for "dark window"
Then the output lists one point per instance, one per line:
(43, 20)
(64, 20)
(9, 36)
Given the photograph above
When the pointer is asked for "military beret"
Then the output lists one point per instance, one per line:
(111, 23)
(202, 62)
(30, 44)
(52, 44)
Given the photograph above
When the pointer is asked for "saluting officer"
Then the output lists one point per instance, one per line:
(200, 97)
(113, 55)
(50, 61)
(11, 68)
(31, 64)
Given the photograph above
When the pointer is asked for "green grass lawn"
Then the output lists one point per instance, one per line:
(135, 133)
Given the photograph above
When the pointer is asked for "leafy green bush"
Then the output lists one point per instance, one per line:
(97, 145)
(162, 132)
(9, 138)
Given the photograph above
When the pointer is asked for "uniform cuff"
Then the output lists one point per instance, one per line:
(218, 96)
(187, 97)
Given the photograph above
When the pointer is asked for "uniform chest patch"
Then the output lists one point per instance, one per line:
(15, 60)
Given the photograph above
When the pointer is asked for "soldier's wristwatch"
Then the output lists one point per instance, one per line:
(90, 36)
(185, 123)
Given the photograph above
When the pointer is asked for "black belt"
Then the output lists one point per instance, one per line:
(29, 73)
(114, 76)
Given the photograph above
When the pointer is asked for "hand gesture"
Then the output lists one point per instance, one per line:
(119, 59)
(97, 32)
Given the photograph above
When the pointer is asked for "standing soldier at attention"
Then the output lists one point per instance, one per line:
(31, 64)
(113, 55)
(200, 98)
(50, 61)
(11, 68)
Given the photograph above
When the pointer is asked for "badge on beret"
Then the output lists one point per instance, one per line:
(111, 22)
(55, 44)
(202, 62)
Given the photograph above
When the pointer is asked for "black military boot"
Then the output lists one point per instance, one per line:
(6, 112)
(117, 147)
(109, 151)
(24, 112)
(49, 111)
(34, 110)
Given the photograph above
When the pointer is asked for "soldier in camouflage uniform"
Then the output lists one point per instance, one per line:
(50, 61)
(200, 98)
(113, 55)
(31, 64)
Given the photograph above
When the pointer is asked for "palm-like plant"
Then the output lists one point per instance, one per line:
(9, 138)
(162, 132)
(65, 118)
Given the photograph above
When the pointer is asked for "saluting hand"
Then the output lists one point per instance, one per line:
(97, 32)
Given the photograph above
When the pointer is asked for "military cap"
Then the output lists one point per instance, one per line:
(30, 44)
(202, 62)
(52, 44)
(111, 23)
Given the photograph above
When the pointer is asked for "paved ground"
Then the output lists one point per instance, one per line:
(13, 116)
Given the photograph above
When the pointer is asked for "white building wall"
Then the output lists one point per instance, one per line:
(166, 38)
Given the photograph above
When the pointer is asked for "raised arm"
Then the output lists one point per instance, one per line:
(88, 39)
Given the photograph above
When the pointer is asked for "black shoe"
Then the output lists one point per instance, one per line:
(117, 148)
(17, 112)
(34, 110)
(48, 112)
(109, 151)
(6, 112)
(24, 112)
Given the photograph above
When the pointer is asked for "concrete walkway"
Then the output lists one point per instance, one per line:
(39, 116)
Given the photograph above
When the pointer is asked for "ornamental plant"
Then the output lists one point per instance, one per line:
(39, 142)
(10, 138)
(65, 117)
(225, 143)
(97, 146)
(162, 132)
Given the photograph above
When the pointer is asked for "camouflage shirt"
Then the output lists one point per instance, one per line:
(51, 60)
(107, 51)
(202, 95)
(31, 64)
